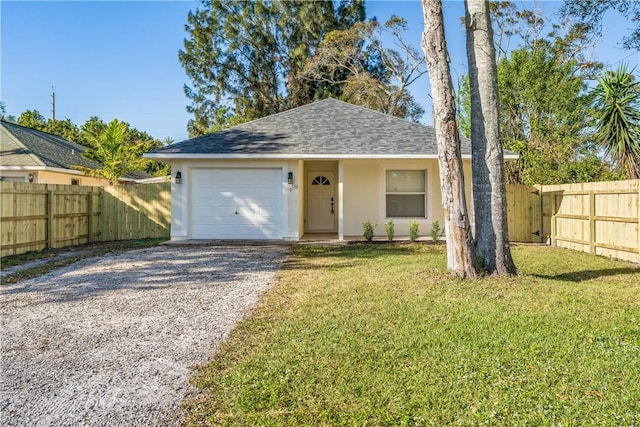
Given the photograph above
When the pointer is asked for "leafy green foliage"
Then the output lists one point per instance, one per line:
(414, 228)
(436, 231)
(137, 142)
(368, 230)
(544, 111)
(118, 149)
(545, 106)
(32, 119)
(381, 335)
(389, 228)
(617, 99)
(463, 103)
(241, 57)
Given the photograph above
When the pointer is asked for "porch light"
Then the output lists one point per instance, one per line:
(290, 178)
(30, 177)
(178, 177)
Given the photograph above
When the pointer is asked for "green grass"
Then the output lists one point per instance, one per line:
(382, 335)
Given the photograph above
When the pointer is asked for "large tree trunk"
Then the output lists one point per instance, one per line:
(489, 199)
(461, 259)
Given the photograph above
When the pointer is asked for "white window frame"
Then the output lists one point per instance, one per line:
(424, 193)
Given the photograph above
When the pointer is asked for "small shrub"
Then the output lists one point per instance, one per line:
(413, 230)
(436, 231)
(390, 229)
(368, 230)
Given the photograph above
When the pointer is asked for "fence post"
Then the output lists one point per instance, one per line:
(50, 239)
(592, 222)
(553, 219)
(90, 214)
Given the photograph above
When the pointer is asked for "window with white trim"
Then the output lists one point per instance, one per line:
(406, 193)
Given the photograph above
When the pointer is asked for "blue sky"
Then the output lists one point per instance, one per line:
(119, 59)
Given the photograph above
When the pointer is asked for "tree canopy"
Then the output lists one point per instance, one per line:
(136, 142)
(591, 13)
(247, 60)
(546, 109)
(362, 71)
(241, 57)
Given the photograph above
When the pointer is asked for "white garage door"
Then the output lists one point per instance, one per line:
(236, 203)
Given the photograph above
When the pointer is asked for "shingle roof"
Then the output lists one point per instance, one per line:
(323, 128)
(21, 146)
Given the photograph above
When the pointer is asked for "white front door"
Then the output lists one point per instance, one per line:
(236, 203)
(321, 202)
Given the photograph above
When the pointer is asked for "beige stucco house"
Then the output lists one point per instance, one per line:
(322, 168)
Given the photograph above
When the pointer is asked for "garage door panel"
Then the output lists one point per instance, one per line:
(236, 203)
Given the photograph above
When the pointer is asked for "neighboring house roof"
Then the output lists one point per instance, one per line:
(31, 148)
(327, 128)
(21, 146)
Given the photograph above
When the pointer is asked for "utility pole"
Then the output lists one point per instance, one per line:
(53, 104)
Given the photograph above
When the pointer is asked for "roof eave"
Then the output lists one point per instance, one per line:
(217, 156)
(42, 168)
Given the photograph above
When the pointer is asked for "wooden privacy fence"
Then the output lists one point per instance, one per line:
(39, 216)
(602, 218)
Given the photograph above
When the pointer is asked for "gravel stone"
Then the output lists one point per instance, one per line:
(111, 340)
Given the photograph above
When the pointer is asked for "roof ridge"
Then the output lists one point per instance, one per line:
(281, 112)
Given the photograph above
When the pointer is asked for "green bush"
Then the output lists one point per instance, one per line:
(368, 230)
(436, 232)
(413, 230)
(390, 229)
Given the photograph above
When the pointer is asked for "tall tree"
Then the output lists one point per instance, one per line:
(617, 99)
(591, 12)
(362, 71)
(489, 195)
(244, 55)
(461, 259)
(545, 110)
(545, 107)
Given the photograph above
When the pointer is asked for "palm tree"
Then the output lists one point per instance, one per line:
(113, 151)
(617, 98)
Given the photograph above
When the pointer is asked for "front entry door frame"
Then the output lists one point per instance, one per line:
(321, 202)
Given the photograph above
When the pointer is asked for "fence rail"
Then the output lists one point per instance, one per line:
(601, 218)
(39, 216)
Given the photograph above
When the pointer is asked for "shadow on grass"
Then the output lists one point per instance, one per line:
(347, 256)
(583, 275)
(368, 250)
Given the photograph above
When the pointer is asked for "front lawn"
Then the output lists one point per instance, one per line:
(382, 335)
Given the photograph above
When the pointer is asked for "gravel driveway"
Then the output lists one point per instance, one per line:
(110, 340)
